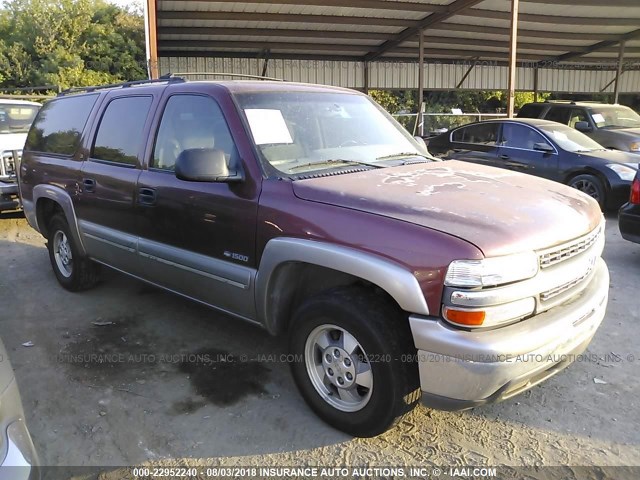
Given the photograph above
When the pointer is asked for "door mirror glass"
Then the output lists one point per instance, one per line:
(204, 165)
(583, 126)
(543, 147)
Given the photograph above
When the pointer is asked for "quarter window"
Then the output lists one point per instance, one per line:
(189, 122)
(59, 125)
(481, 133)
(119, 136)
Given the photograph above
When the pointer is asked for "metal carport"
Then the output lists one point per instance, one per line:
(589, 46)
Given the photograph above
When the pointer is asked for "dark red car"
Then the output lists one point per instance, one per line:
(309, 211)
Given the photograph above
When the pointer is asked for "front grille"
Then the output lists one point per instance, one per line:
(568, 250)
(8, 162)
(559, 290)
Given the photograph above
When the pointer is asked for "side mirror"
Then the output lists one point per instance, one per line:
(583, 127)
(543, 147)
(204, 165)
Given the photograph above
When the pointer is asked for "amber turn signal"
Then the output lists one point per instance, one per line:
(463, 317)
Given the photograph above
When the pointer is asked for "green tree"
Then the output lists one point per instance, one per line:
(69, 43)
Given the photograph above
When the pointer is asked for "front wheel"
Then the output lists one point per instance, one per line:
(73, 271)
(357, 372)
(590, 185)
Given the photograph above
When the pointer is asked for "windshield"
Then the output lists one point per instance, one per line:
(302, 132)
(15, 118)
(570, 139)
(615, 116)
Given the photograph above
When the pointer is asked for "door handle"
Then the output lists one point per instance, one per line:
(147, 196)
(89, 185)
(504, 157)
(515, 165)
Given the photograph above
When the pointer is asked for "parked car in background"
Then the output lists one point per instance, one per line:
(629, 215)
(545, 149)
(612, 126)
(18, 459)
(309, 211)
(16, 117)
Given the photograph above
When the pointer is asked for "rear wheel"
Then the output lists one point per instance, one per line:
(591, 185)
(354, 370)
(73, 271)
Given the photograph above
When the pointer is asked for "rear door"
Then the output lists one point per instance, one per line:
(198, 238)
(106, 209)
(477, 143)
(517, 151)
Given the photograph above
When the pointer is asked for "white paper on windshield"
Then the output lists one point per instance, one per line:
(598, 118)
(268, 126)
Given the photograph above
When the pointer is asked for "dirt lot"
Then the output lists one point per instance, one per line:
(140, 397)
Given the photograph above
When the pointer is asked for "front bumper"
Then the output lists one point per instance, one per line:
(461, 369)
(9, 196)
(19, 458)
(629, 222)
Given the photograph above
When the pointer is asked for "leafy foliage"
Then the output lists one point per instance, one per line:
(70, 43)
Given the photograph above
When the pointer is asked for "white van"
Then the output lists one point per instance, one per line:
(16, 117)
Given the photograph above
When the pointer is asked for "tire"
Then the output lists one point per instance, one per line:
(378, 341)
(592, 186)
(74, 272)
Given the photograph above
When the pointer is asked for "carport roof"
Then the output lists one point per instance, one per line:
(384, 30)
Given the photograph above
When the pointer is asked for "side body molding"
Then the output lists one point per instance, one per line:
(63, 199)
(391, 277)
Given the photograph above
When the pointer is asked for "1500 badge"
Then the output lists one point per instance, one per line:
(237, 256)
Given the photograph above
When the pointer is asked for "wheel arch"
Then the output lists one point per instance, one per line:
(48, 200)
(587, 170)
(292, 269)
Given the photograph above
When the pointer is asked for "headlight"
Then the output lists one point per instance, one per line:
(634, 147)
(491, 272)
(624, 172)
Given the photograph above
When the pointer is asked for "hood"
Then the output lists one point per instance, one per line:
(12, 141)
(497, 210)
(614, 156)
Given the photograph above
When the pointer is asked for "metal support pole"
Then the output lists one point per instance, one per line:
(420, 117)
(152, 29)
(535, 83)
(513, 46)
(365, 74)
(616, 88)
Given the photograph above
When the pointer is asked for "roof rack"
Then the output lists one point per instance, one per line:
(164, 79)
(569, 102)
(222, 74)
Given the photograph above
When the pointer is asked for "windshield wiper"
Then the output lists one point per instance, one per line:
(403, 154)
(332, 161)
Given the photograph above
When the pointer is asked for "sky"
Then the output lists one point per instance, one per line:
(124, 3)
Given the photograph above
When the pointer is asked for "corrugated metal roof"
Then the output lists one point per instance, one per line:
(555, 37)
(548, 29)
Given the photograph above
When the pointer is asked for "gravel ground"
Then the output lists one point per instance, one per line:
(140, 398)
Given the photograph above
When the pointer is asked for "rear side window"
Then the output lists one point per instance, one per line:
(558, 114)
(59, 125)
(531, 110)
(119, 136)
(480, 133)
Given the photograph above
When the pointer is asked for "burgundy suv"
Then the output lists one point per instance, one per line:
(309, 211)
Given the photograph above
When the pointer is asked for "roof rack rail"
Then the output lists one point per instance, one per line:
(570, 102)
(222, 74)
(164, 79)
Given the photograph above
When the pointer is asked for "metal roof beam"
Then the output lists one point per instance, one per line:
(459, 27)
(452, 9)
(366, 4)
(553, 19)
(284, 18)
(268, 32)
(597, 46)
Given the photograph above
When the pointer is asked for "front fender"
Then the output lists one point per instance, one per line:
(397, 281)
